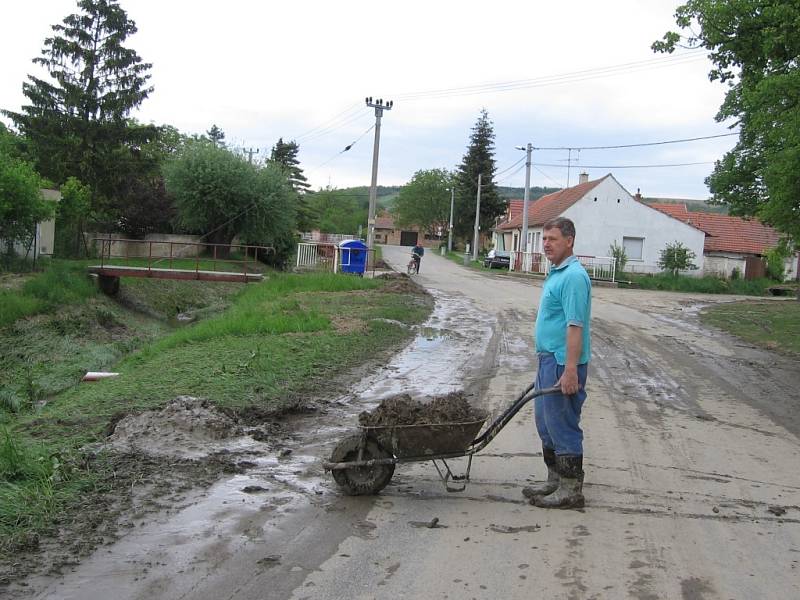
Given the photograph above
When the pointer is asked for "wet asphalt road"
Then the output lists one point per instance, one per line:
(691, 465)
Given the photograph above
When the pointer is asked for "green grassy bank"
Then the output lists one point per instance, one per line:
(260, 349)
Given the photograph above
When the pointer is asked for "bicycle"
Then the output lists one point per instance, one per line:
(412, 267)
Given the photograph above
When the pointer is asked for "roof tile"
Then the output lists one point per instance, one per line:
(549, 206)
(725, 233)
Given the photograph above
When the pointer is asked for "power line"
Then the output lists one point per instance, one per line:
(507, 177)
(346, 148)
(328, 122)
(705, 137)
(689, 164)
(344, 123)
(546, 175)
(345, 117)
(575, 76)
(509, 168)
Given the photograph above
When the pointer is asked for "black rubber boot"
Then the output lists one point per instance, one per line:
(570, 487)
(542, 488)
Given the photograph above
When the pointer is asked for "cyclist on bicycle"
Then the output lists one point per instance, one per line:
(416, 254)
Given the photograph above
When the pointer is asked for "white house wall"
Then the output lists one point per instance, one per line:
(608, 213)
(723, 265)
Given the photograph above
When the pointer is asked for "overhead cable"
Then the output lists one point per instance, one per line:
(327, 123)
(574, 76)
(509, 168)
(689, 164)
(705, 137)
(345, 149)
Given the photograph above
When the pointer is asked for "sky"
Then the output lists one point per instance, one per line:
(568, 74)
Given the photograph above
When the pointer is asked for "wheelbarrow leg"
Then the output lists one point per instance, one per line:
(447, 475)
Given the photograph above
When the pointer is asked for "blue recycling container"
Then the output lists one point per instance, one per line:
(353, 256)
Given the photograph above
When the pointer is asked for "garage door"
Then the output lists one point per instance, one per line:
(408, 238)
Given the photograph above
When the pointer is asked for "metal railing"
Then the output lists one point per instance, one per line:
(325, 238)
(178, 256)
(601, 268)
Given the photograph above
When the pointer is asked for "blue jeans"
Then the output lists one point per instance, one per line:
(558, 416)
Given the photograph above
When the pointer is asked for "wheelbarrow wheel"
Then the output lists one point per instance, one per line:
(361, 481)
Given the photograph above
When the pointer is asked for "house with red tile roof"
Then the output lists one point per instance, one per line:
(604, 213)
(732, 243)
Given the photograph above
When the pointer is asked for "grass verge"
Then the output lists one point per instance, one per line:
(703, 285)
(62, 283)
(774, 325)
(282, 343)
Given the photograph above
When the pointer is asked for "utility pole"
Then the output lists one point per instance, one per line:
(379, 107)
(528, 149)
(477, 222)
(450, 231)
(250, 153)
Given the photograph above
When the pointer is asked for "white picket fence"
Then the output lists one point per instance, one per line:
(601, 268)
(313, 256)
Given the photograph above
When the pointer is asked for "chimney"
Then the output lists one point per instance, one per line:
(583, 178)
(638, 195)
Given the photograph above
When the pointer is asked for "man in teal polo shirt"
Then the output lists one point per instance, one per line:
(563, 349)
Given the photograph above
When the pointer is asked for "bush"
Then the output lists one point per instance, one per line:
(776, 258)
(619, 255)
(676, 257)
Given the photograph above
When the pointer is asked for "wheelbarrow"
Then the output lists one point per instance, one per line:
(363, 463)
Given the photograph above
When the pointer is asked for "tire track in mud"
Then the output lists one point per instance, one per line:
(664, 391)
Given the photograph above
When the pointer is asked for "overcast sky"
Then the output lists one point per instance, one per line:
(555, 74)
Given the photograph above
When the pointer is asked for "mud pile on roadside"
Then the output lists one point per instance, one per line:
(400, 283)
(403, 410)
(185, 427)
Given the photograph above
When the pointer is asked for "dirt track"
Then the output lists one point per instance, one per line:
(691, 476)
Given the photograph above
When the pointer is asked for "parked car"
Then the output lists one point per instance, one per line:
(497, 259)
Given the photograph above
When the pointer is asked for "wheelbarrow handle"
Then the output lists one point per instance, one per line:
(556, 389)
(529, 394)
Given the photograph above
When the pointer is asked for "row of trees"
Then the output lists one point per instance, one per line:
(74, 132)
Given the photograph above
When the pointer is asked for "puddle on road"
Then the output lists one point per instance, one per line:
(436, 361)
(286, 475)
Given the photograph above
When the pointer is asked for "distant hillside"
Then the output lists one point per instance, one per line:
(387, 194)
(518, 193)
(691, 205)
(385, 197)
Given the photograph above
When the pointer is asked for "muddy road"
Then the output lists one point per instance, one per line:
(692, 485)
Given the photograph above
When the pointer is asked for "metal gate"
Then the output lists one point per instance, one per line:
(408, 238)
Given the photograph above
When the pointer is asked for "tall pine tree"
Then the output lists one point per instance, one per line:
(284, 154)
(478, 159)
(216, 135)
(76, 121)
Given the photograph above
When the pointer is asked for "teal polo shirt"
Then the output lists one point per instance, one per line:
(566, 300)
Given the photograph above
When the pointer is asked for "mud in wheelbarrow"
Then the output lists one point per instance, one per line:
(364, 462)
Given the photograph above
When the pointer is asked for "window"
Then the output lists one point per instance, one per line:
(633, 247)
